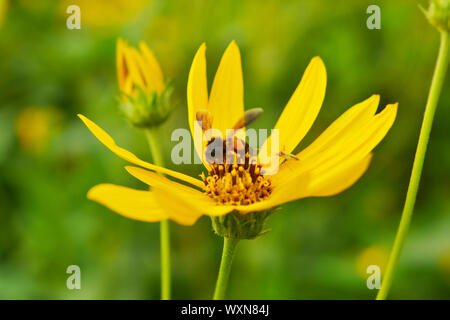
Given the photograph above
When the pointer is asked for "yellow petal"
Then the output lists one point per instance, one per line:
(356, 146)
(310, 184)
(293, 190)
(148, 206)
(197, 97)
(153, 70)
(192, 197)
(197, 90)
(178, 209)
(109, 142)
(128, 87)
(145, 73)
(157, 180)
(226, 102)
(132, 61)
(122, 70)
(302, 109)
(348, 125)
(130, 203)
(342, 152)
(338, 179)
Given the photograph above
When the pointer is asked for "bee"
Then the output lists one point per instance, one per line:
(239, 147)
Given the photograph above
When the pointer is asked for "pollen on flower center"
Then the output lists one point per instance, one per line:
(237, 184)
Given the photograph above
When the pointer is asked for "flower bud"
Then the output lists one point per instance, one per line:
(144, 96)
(438, 14)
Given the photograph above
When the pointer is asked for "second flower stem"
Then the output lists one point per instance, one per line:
(229, 249)
(164, 225)
(405, 221)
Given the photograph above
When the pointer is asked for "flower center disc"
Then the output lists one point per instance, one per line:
(238, 182)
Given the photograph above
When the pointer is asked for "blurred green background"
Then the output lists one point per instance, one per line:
(317, 249)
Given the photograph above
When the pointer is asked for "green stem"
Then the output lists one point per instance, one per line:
(433, 97)
(229, 249)
(164, 225)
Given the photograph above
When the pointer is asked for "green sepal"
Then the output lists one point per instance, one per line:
(147, 109)
(235, 225)
(438, 14)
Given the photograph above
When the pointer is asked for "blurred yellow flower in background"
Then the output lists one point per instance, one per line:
(106, 13)
(3, 8)
(33, 128)
(331, 164)
(444, 264)
(374, 255)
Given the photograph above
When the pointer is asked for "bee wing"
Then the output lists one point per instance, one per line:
(248, 117)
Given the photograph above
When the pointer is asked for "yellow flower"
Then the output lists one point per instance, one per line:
(3, 8)
(100, 14)
(138, 68)
(144, 95)
(443, 263)
(33, 128)
(331, 164)
(374, 255)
